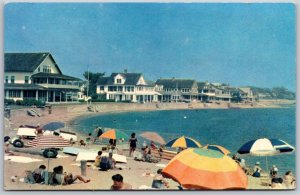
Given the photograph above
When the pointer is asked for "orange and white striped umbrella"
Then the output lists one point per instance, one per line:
(48, 141)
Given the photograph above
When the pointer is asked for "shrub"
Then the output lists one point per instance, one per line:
(9, 101)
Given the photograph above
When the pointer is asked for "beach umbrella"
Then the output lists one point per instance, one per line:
(266, 147)
(48, 141)
(114, 134)
(152, 136)
(200, 168)
(183, 142)
(53, 126)
(217, 148)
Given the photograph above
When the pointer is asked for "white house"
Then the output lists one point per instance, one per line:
(130, 87)
(37, 76)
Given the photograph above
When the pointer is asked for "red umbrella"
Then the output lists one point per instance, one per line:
(152, 136)
(48, 141)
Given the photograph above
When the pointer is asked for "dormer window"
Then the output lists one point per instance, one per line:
(119, 81)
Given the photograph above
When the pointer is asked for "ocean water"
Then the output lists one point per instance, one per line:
(230, 128)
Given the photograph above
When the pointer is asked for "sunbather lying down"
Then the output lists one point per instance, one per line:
(69, 179)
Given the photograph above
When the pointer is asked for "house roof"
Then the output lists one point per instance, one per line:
(22, 86)
(130, 79)
(52, 75)
(25, 62)
(176, 83)
(201, 85)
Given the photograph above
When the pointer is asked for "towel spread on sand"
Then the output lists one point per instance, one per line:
(61, 156)
(161, 165)
(21, 159)
(91, 155)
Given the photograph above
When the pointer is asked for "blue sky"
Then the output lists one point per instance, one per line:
(238, 44)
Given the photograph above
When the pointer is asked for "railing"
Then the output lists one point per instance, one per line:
(60, 86)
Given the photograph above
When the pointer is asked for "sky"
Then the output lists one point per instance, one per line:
(250, 44)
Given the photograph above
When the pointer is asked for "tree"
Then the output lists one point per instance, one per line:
(92, 78)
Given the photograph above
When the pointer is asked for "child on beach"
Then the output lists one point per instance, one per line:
(98, 159)
(159, 181)
(88, 139)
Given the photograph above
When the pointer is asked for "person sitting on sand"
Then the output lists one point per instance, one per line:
(276, 182)
(159, 181)
(257, 170)
(81, 143)
(98, 159)
(244, 166)
(147, 154)
(112, 162)
(236, 158)
(273, 171)
(119, 184)
(88, 139)
(289, 180)
(64, 178)
(152, 145)
(35, 176)
(161, 151)
(38, 130)
(7, 150)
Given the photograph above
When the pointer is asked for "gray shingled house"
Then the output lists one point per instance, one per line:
(178, 90)
(130, 87)
(37, 76)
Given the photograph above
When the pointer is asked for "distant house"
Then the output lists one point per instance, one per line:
(247, 94)
(125, 86)
(174, 90)
(37, 76)
(206, 92)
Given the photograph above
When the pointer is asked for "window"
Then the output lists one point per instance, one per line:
(101, 88)
(47, 68)
(26, 79)
(119, 81)
(6, 79)
(12, 79)
(39, 69)
(14, 93)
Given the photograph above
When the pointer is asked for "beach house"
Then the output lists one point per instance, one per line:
(213, 92)
(178, 90)
(129, 87)
(37, 76)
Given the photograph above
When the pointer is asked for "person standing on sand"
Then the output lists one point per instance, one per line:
(132, 143)
(119, 184)
(98, 132)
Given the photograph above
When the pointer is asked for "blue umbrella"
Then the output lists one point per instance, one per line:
(265, 147)
(54, 126)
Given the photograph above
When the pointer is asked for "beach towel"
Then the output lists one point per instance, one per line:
(91, 156)
(21, 159)
(24, 131)
(161, 165)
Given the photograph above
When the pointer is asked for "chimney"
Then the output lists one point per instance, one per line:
(125, 70)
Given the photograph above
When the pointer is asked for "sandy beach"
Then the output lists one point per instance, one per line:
(100, 180)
